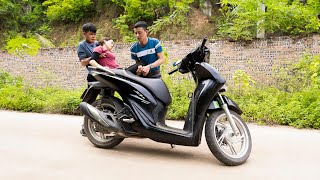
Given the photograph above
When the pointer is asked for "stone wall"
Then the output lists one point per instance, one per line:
(61, 67)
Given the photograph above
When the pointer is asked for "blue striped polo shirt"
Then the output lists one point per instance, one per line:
(148, 53)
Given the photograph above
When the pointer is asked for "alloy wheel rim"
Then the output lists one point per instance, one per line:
(230, 144)
(96, 130)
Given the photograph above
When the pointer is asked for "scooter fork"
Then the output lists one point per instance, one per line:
(229, 117)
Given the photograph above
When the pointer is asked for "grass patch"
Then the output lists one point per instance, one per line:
(15, 95)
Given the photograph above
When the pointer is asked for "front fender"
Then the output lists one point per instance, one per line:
(214, 105)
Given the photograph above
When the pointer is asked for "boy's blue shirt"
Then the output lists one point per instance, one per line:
(85, 49)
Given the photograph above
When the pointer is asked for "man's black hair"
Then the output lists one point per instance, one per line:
(89, 27)
(142, 24)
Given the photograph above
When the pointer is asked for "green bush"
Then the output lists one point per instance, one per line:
(21, 46)
(6, 79)
(180, 91)
(295, 103)
(61, 101)
(16, 95)
(67, 10)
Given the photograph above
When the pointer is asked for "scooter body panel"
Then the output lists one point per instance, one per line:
(150, 111)
(141, 112)
(148, 100)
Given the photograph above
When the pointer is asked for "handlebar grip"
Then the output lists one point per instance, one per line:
(203, 42)
(177, 63)
(173, 71)
(174, 64)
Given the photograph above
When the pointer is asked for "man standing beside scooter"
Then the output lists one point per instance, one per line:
(147, 52)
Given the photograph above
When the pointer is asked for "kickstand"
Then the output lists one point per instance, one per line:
(172, 146)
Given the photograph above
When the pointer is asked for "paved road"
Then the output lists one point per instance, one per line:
(42, 146)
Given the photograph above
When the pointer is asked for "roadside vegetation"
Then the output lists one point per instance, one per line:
(292, 98)
(17, 95)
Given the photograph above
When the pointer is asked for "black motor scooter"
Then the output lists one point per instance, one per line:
(144, 102)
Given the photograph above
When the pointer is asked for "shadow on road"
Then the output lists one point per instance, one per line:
(164, 152)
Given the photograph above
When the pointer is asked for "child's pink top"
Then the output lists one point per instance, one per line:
(109, 60)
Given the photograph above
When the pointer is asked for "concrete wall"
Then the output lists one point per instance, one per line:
(61, 67)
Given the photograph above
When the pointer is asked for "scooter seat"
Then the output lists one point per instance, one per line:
(155, 85)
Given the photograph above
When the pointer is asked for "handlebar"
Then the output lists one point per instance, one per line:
(203, 42)
(200, 51)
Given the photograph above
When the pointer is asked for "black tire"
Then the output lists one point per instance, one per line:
(219, 137)
(96, 134)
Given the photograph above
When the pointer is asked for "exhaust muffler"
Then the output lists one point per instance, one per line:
(100, 117)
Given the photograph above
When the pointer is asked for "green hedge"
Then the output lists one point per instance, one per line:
(293, 99)
(15, 95)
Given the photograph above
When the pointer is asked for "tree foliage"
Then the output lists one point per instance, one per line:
(240, 18)
(162, 12)
(20, 16)
(7, 9)
(67, 10)
(174, 18)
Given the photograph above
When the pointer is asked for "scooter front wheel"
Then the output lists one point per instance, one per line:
(97, 135)
(225, 145)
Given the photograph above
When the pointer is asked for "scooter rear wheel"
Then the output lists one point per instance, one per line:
(227, 147)
(98, 135)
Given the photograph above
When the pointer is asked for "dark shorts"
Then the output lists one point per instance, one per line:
(154, 74)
